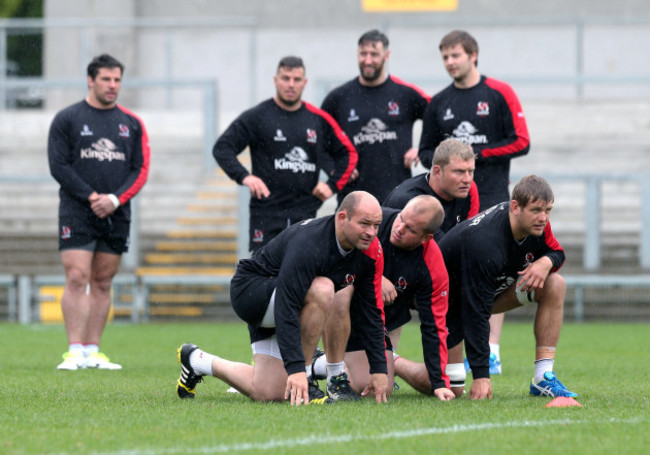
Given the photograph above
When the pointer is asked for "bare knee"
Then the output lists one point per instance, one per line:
(556, 284)
(266, 395)
(455, 353)
(341, 302)
(101, 279)
(553, 291)
(77, 278)
(103, 268)
(102, 285)
(321, 293)
(269, 379)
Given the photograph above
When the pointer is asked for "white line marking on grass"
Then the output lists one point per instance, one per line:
(329, 439)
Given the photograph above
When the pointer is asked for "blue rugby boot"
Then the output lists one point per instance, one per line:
(550, 386)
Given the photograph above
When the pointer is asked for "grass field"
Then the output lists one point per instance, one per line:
(136, 411)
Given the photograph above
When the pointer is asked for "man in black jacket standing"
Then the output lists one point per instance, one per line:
(485, 113)
(377, 111)
(99, 153)
(287, 138)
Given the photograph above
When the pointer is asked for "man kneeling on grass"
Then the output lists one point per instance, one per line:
(501, 259)
(414, 274)
(285, 292)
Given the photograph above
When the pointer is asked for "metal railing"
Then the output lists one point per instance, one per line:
(10, 284)
(580, 282)
(29, 298)
(146, 282)
(24, 296)
(593, 232)
(23, 290)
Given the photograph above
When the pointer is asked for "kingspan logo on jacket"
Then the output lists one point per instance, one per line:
(296, 161)
(103, 149)
(374, 131)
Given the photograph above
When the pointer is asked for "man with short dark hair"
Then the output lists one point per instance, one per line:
(286, 291)
(286, 137)
(377, 112)
(504, 258)
(99, 153)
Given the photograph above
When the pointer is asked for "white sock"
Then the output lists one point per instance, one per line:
(201, 362)
(334, 369)
(76, 347)
(320, 367)
(90, 349)
(308, 371)
(541, 367)
(494, 349)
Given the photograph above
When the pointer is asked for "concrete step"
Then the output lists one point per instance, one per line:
(183, 298)
(184, 258)
(193, 233)
(196, 246)
(185, 270)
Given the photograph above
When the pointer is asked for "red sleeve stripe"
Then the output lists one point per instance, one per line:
(439, 299)
(551, 242)
(376, 253)
(474, 203)
(519, 121)
(421, 92)
(144, 170)
(340, 134)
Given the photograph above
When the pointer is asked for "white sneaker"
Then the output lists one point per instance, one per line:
(100, 361)
(72, 361)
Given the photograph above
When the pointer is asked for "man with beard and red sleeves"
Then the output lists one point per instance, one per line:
(287, 137)
(504, 258)
(377, 112)
(285, 292)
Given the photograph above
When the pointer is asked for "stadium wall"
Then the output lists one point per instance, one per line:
(540, 47)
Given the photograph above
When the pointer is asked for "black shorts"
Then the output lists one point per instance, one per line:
(397, 314)
(455, 332)
(263, 229)
(250, 295)
(106, 235)
(356, 342)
